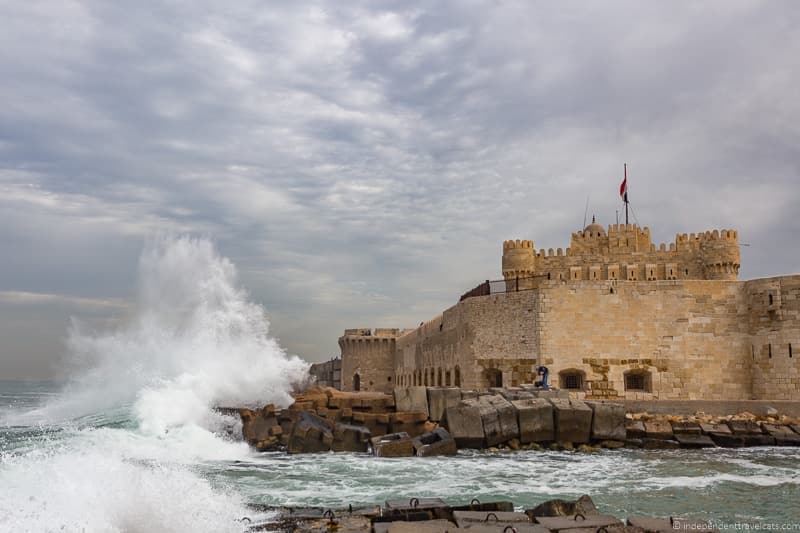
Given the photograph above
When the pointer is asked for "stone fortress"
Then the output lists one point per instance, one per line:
(613, 316)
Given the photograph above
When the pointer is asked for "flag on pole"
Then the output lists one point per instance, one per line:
(623, 188)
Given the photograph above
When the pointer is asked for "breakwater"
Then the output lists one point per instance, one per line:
(426, 421)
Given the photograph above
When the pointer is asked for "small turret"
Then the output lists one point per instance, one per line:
(719, 252)
(519, 261)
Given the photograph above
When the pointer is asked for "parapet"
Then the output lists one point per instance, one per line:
(513, 244)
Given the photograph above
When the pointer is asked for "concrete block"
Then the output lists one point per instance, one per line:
(412, 423)
(684, 428)
(660, 444)
(412, 504)
(436, 442)
(783, 435)
(466, 518)
(535, 419)
(411, 399)
(694, 440)
(257, 424)
(310, 434)
(418, 526)
(592, 521)
(468, 394)
(721, 429)
(572, 420)
(634, 429)
(744, 427)
(464, 423)
(348, 438)
(728, 441)
(655, 429)
(439, 399)
(757, 440)
(393, 445)
(608, 421)
(506, 417)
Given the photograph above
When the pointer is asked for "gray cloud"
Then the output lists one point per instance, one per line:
(362, 162)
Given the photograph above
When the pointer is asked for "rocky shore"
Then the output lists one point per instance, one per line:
(433, 515)
(425, 421)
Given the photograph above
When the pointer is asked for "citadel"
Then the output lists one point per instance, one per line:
(613, 316)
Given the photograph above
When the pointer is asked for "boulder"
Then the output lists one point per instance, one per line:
(608, 421)
(656, 429)
(376, 423)
(310, 434)
(436, 442)
(505, 415)
(633, 443)
(256, 425)
(348, 438)
(393, 445)
(572, 420)
(535, 419)
(634, 429)
(694, 440)
(439, 399)
(463, 422)
(412, 423)
(583, 505)
(411, 399)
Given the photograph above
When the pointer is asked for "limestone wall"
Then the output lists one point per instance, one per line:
(774, 326)
(367, 359)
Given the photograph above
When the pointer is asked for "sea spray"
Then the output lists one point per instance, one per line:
(121, 447)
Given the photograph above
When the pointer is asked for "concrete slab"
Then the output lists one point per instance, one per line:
(411, 504)
(535, 419)
(692, 428)
(393, 445)
(487, 518)
(745, 427)
(436, 442)
(465, 425)
(572, 420)
(721, 429)
(657, 429)
(660, 444)
(693, 440)
(608, 421)
(439, 399)
(664, 525)
(411, 399)
(634, 429)
(559, 523)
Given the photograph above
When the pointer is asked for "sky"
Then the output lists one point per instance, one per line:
(361, 162)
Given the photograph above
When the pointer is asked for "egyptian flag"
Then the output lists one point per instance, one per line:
(623, 188)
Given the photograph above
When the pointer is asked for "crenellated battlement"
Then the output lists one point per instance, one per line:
(626, 252)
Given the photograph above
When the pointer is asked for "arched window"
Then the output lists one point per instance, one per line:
(638, 380)
(425, 380)
(495, 377)
(439, 381)
(447, 372)
(356, 382)
(571, 379)
(458, 377)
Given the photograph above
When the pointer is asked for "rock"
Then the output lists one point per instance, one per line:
(268, 444)
(608, 421)
(728, 441)
(310, 434)
(439, 399)
(694, 440)
(376, 423)
(566, 446)
(758, 440)
(256, 425)
(634, 429)
(514, 444)
(795, 428)
(633, 443)
(692, 428)
(499, 419)
(658, 430)
(463, 422)
(660, 444)
(720, 429)
(411, 399)
(535, 419)
(572, 420)
(585, 448)
(347, 438)
(583, 505)
(613, 444)
(412, 423)
(468, 394)
(393, 445)
(437, 442)
(771, 411)
(744, 427)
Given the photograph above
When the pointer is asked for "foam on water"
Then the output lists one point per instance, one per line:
(118, 449)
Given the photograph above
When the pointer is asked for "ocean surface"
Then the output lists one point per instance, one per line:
(131, 443)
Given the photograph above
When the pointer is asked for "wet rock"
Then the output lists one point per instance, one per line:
(514, 444)
(758, 440)
(412, 423)
(572, 420)
(608, 421)
(376, 423)
(585, 448)
(310, 434)
(744, 427)
(411, 399)
(256, 424)
(660, 444)
(439, 399)
(393, 445)
(583, 505)
(437, 442)
(634, 429)
(612, 444)
(347, 438)
(783, 435)
(719, 429)
(728, 441)
(463, 422)
(694, 440)
(633, 443)
(535, 419)
(656, 429)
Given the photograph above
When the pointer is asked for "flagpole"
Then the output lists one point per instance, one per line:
(626, 193)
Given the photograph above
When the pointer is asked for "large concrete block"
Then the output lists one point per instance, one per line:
(439, 399)
(347, 438)
(411, 399)
(572, 419)
(658, 429)
(745, 427)
(393, 445)
(310, 434)
(436, 442)
(464, 424)
(256, 425)
(411, 423)
(608, 421)
(535, 419)
(506, 417)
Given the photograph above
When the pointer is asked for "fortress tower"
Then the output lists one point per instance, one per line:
(368, 359)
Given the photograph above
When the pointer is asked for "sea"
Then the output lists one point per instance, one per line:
(131, 442)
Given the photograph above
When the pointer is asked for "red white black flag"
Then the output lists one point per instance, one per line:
(623, 188)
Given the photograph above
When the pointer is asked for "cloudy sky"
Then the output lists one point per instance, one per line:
(361, 162)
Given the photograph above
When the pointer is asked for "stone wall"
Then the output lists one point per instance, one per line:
(328, 374)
